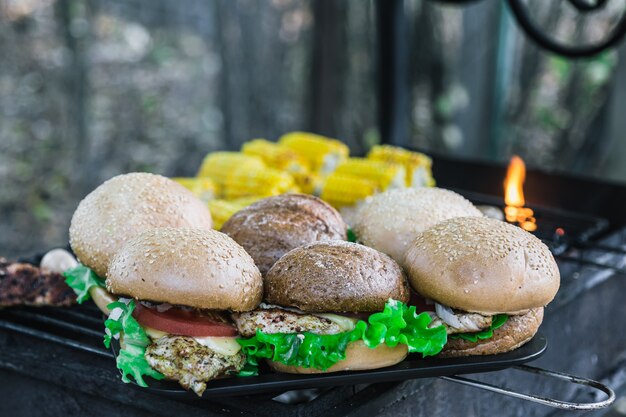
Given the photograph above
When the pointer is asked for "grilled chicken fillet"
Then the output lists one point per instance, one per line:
(463, 323)
(25, 284)
(183, 359)
(277, 320)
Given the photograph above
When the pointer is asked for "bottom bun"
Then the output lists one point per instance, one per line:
(514, 333)
(358, 358)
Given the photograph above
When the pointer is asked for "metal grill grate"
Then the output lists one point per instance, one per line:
(578, 227)
(81, 327)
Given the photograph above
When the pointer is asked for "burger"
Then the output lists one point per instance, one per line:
(177, 287)
(115, 212)
(488, 282)
(335, 306)
(390, 221)
(273, 226)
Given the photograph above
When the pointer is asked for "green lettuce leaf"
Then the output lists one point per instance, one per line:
(130, 359)
(81, 279)
(497, 322)
(397, 323)
(351, 235)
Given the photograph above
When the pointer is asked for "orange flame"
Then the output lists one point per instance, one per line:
(515, 211)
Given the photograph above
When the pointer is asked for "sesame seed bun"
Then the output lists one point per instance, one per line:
(192, 267)
(515, 332)
(273, 226)
(482, 265)
(335, 276)
(126, 205)
(359, 357)
(390, 221)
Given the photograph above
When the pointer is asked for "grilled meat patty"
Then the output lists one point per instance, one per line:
(183, 359)
(275, 320)
(25, 284)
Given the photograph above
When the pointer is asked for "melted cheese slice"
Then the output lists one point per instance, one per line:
(154, 334)
(346, 323)
(226, 346)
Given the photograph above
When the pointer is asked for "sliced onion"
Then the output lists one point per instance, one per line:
(124, 300)
(266, 306)
(163, 307)
(116, 313)
(447, 315)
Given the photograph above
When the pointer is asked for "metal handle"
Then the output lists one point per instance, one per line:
(566, 405)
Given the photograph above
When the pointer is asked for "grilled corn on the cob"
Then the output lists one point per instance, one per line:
(308, 182)
(386, 175)
(418, 166)
(276, 156)
(323, 154)
(265, 182)
(222, 210)
(218, 166)
(203, 188)
(345, 190)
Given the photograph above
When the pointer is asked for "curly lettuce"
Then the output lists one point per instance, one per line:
(397, 323)
(400, 323)
(81, 279)
(351, 235)
(130, 359)
(496, 322)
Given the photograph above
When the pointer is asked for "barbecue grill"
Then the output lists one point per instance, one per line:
(58, 353)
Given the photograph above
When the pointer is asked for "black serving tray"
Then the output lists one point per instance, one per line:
(414, 366)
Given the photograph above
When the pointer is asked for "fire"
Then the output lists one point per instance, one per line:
(515, 211)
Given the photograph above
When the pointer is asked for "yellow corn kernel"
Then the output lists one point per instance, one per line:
(345, 190)
(276, 156)
(418, 165)
(243, 202)
(265, 182)
(384, 174)
(323, 154)
(308, 182)
(203, 188)
(218, 166)
(222, 210)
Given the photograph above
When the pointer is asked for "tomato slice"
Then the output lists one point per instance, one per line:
(182, 322)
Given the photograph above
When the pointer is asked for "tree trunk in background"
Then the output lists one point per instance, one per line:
(393, 72)
(615, 166)
(476, 74)
(77, 38)
(428, 74)
(327, 76)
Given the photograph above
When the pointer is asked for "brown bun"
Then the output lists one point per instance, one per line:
(273, 226)
(358, 358)
(190, 267)
(335, 276)
(126, 205)
(482, 265)
(514, 333)
(390, 221)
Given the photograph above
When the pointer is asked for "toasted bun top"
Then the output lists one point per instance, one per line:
(126, 205)
(482, 265)
(273, 226)
(390, 221)
(191, 267)
(335, 276)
